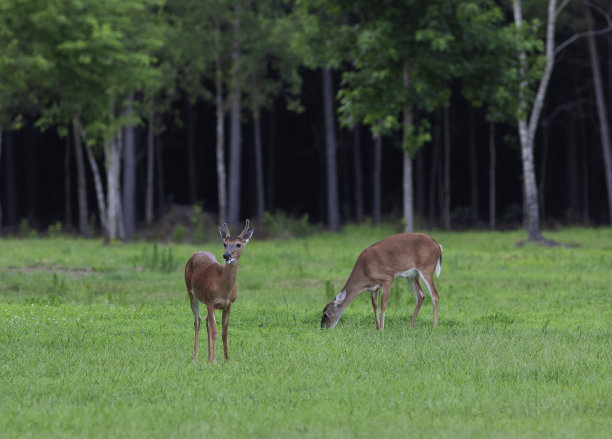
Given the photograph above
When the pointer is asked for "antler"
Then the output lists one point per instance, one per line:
(227, 232)
(246, 229)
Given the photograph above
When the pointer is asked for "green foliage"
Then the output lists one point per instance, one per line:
(522, 347)
(157, 259)
(179, 233)
(55, 230)
(25, 231)
(281, 225)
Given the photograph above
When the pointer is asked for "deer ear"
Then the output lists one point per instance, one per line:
(340, 297)
(223, 231)
(248, 235)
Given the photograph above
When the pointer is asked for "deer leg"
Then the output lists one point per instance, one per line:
(225, 321)
(195, 308)
(211, 326)
(375, 306)
(419, 295)
(427, 279)
(383, 303)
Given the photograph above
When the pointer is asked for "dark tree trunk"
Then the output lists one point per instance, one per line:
(129, 179)
(447, 162)
(543, 169)
(408, 189)
(474, 201)
(573, 173)
(235, 152)
(67, 182)
(220, 146)
(333, 212)
(1, 223)
(601, 110)
(32, 176)
(376, 176)
(81, 181)
(271, 160)
(358, 174)
(259, 178)
(435, 159)
(420, 186)
(161, 195)
(492, 179)
(150, 162)
(191, 158)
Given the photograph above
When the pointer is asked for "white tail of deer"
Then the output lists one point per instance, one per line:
(411, 255)
(215, 285)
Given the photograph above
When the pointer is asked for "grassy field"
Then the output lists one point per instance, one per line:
(96, 341)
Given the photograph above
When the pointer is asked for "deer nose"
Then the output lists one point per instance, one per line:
(226, 256)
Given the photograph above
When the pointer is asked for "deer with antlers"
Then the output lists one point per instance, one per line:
(411, 255)
(215, 285)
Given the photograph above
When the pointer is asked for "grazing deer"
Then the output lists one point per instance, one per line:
(215, 285)
(411, 255)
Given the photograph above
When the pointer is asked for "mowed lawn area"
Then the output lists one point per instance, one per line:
(96, 341)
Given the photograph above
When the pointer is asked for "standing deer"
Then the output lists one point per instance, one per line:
(215, 285)
(411, 255)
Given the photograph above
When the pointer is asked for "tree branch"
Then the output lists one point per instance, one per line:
(578, 35)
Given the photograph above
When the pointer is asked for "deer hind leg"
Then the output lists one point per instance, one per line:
(211, 327)
(383, 303)
(195, 308)
(375, 306)
(427, 279)
(419, 296)
(225, 322)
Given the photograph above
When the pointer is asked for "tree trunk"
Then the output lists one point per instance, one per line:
(129, 178)
(81, 181)
(527, 129)
(435, 158)
(474, 201)
(271, 160)
(1, 223)
(191, 160)
(99, 189)
(407, 165)
(67, 182)
(235, 152)
(543, 163)
(159, 164)
(220, 150)
(113, 153)
(420, 188)
(573, 173)
(492, 170)
(601, 110)
(150, 162)
(358, 174)
(333, 212)
(376, 176)
(258, 167)
(447, 161)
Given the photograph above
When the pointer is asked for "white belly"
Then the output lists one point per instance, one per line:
(413, 272)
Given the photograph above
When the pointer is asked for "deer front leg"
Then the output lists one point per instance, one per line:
(375, 306)
(195, 308)
(419, 296)
(383, 303)
(211, 327)
(225, 322)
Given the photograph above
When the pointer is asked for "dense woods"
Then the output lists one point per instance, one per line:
(438, 113)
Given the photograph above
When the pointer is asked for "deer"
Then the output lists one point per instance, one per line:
(214, 285)
(412, 256)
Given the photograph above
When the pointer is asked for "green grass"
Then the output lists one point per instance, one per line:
(95, 341)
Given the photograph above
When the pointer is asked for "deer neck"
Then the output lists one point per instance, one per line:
(230, 271)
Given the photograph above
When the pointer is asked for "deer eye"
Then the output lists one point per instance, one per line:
(224, 245)
(238, 245)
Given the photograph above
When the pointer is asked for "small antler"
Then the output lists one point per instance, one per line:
(246, 229)
(227, 232)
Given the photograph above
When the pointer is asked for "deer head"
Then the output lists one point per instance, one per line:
(234, 244)
(333, 311)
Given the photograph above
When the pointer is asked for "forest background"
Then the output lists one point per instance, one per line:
(454, 114)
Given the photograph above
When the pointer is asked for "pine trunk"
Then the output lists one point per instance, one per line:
(150, 168)
(220, 150)
(601, 111)
(333, 212)
(376, 176)
(408, 202)
(259, 167)
(235, 151)
(129, 179)
(492, 179)
(358, 174)
(447, 161)
(81, 181)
